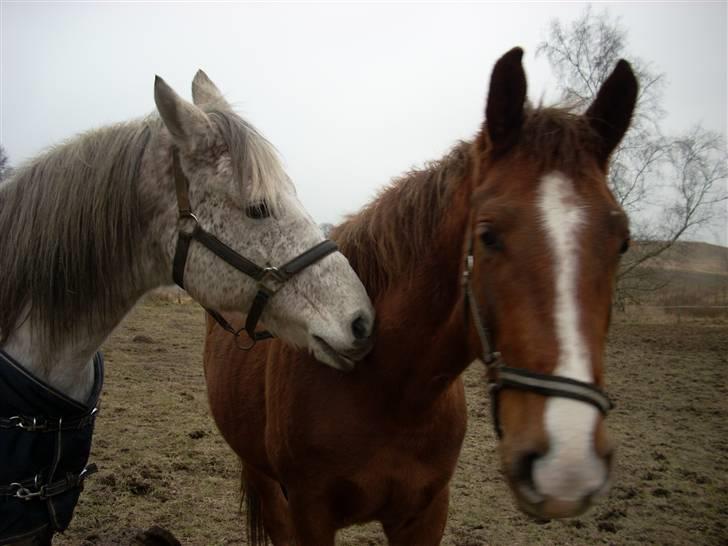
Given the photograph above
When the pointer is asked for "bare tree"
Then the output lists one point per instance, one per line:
(5, 169)
(670, 186)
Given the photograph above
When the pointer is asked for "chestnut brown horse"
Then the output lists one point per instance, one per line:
(524, 213)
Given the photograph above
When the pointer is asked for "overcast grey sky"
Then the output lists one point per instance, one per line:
(350, 94)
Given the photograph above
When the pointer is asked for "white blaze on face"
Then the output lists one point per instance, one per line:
(571, 469)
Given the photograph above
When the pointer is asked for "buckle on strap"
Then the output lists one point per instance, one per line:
(31, 424)
(272, 273)
(45, 424)
(30, 489)
(24, 492)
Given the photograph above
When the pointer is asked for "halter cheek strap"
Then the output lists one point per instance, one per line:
(268, 279)
(502, 377)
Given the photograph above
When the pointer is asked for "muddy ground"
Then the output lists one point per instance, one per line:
(162, 461)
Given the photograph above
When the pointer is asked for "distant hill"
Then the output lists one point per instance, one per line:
(690, 257)
(687, 274)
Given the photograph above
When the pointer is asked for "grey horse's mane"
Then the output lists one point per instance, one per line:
(70, 222)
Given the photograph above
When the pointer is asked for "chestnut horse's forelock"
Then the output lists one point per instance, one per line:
(555, 138)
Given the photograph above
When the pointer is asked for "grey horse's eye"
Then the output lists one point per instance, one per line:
(258, 211)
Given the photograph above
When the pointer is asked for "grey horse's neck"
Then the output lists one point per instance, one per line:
(71, 369)
(67, 364)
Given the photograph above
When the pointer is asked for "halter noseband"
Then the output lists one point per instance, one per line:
(504, 377)
(269, 279)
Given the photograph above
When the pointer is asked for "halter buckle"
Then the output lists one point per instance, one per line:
(271, 273)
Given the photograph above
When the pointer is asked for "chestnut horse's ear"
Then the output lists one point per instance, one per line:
(506, 98)
(611, 112)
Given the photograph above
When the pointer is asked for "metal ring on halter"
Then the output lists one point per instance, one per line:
(252, 341)
(273, 272)
(185, 215)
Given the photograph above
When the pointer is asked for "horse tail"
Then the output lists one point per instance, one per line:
(255, 529)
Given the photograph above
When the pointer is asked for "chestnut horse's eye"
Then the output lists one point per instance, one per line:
(258, 211)
(625, 246)
(489, 237)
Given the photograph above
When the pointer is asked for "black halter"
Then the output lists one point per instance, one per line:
(269, 279)
(503, 377)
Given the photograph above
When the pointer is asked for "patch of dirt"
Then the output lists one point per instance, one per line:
(162, 462)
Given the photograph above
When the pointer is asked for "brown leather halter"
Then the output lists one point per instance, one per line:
(269, 279)
(504, 377)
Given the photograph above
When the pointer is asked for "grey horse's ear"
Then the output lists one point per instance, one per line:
(204, 92)
(189, 126)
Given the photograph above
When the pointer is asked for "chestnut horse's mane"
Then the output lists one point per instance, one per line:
(390, 234)
(383, 241)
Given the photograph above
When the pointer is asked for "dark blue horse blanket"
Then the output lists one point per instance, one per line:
(45, 440)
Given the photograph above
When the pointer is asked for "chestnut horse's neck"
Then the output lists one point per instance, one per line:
(407, 247)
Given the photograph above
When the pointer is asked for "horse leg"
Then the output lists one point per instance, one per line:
(266, 502)
(312, 521)
(424, 529)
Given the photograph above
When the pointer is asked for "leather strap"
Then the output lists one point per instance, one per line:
(30, 488)
(220, 249)
(181, 184)
(549, 385)
(311, 256)
(180, 258)
(44, 424)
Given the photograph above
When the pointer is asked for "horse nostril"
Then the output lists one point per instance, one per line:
(360, 328)
(523, 469)
(522, 475)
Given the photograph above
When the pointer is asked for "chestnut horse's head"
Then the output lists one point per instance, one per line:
(547, 235)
